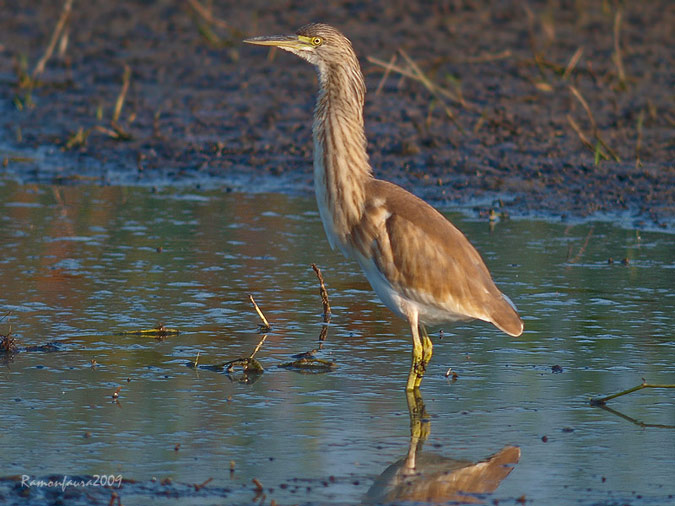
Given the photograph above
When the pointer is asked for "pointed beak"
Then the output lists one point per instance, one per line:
(283, 41)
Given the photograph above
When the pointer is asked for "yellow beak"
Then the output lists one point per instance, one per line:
(290, 41)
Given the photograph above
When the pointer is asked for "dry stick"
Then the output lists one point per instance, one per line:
(206, 14)
(199, 486)
(618, 60)
(98, 128)
(638, 144)
(326, 306)
(433, 89)
(599, 401)
(584, 104)
(63, 44)
(114, 496)
(324, 294)
(65, 13)
(387, 70)
(582, 137)
(573, 62)
(583, 246)
(594, 125)
(488, 57)
(428, 84)
(259, 345)
(265, 326)
(533, 41)
(258, 486)
(119, 103)
(391, 66)
(633, 420)
(413, 75)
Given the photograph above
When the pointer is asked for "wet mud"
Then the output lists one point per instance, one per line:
(560, 108)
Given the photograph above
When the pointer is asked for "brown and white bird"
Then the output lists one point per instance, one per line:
(419, 264)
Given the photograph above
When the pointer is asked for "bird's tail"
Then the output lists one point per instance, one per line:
(505, 317)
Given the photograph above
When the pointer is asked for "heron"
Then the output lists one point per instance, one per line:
(418, 263)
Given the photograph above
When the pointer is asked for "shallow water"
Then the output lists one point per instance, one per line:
(81, 265)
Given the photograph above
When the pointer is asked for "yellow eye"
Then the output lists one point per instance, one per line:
(317, 41)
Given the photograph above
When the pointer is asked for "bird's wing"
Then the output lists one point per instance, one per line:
(427, 259)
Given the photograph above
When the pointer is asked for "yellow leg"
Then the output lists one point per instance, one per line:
(419, 419)
(427, 350)
(419, 427)
(427, 346)
(417, 366)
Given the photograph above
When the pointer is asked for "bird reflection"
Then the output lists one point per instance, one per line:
(428, 477)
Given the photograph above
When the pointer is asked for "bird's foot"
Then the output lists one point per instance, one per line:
(416, 375)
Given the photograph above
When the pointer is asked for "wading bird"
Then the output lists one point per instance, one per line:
(419, 264)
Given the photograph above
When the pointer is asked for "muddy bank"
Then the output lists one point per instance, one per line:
(528, 87)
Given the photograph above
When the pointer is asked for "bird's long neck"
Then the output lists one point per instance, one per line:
(341, 167)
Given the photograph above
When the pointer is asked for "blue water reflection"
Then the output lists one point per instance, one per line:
(81, 265)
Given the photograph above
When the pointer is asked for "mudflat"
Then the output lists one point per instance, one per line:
(538, 108)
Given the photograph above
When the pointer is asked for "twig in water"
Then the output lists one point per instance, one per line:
(600, 401)
(158, 332)
(583, 247)
(633, 420)
(324, 295)
(258, 346)
(115, 497)
(199, 486)
(265, 327)
(7, 341)
(60, 24)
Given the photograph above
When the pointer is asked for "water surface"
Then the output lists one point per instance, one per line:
(81, 265)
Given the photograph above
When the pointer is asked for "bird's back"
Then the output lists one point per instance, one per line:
(425, 260)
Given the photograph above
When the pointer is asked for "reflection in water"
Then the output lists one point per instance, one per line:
(433, 478)
(78, 265)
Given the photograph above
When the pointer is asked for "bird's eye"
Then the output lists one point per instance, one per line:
(317, 41)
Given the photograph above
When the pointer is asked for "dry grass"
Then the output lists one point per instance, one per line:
(56, 35)
(413, 71)
(601, 144)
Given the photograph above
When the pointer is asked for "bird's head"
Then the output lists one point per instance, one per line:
(319, 44)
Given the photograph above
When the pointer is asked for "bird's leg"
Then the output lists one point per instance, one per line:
(419, 427)
(427, 345)
(427, 350)
(417, 366)
(419, 419)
